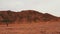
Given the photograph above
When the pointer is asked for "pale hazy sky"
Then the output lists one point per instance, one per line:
(48, 6)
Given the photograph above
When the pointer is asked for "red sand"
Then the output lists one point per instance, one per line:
(34, 28)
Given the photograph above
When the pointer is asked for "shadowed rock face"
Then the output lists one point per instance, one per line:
(7, 17)
(25, 16)
(48, 17)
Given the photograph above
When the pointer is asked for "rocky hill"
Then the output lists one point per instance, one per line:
(25, 16)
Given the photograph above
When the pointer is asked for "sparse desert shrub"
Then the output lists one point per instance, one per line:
(6, 21)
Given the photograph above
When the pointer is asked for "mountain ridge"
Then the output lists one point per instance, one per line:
(26, 16)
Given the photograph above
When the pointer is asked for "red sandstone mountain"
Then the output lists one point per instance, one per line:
(25, 16)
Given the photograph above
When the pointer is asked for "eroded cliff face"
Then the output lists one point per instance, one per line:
(25, 16)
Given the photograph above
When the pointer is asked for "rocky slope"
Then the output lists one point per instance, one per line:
(26, 16)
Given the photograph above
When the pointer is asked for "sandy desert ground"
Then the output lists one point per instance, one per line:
(34, 28)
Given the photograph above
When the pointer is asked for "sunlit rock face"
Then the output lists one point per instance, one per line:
(27, 16)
